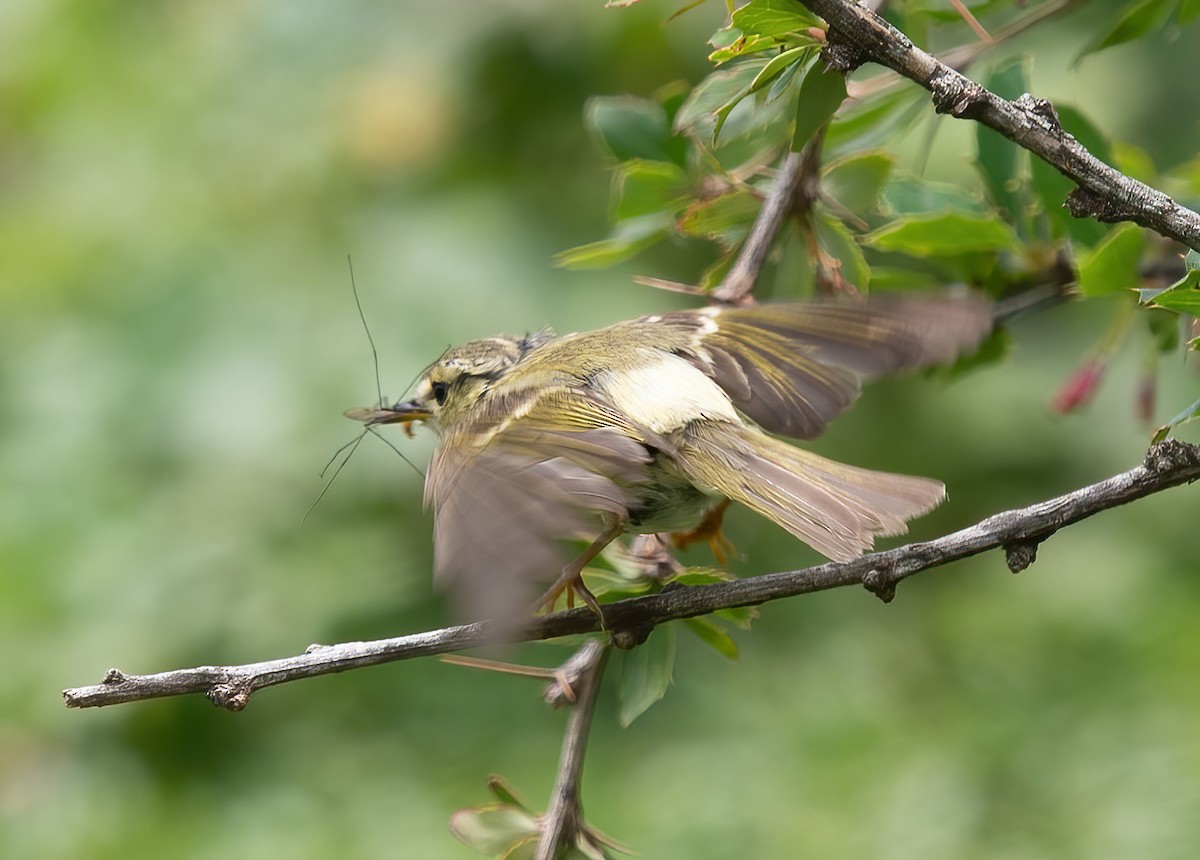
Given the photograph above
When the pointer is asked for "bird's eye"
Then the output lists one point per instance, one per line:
(439, 392)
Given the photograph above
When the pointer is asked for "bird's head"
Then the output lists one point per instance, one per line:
(453, 386)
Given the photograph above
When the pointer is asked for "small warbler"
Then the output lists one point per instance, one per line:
(647, 425)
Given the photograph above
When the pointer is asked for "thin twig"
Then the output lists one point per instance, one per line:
(1167, 464)
(753, 255)
(856, 35)
(563, 821)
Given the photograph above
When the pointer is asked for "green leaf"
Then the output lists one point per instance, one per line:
(713, 636)
(821, 93)
(716, 272)
(1184, 294)
(646, 674)
(997, 157)
(869, 122)
(773, 18)
(1189, 414)
(741, 617)
(907, 195)
(1134, 21)
(783, 82)
(1164, 328)
(628, 238)
(631, 128)
(1052, 188)
(614, 585)
(895, 279)
(753, 134)
(794, 58)
(703, 576)
(945, 234)
(646, 187)
(726, 37)
(726, 218)
(857, 181)
(741, 46)
(838, 242)
(494, 829)
(505, 793)
(703, 112)
(1113, 264)
(1188, 11)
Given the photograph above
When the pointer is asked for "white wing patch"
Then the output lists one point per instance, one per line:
(662, 392)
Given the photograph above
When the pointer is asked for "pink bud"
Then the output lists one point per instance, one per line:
(1147, 386)
(1079, 388)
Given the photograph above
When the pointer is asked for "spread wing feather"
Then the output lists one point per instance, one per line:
(793, 368)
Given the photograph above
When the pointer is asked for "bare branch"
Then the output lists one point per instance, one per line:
(563, 822)
(857, 35)
(1019, 532)
(740, 279)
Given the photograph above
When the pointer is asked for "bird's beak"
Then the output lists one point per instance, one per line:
(401, 413)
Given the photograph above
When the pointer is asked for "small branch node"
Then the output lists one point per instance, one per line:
(1020, 554)
(232, 696)
(880, 584)
(114, 676)
(1042, 113)
(1085, 203)
(840, 54)
(561, 691)
(628, 638)
(314, 647)
(956, 95)
(1170, 455)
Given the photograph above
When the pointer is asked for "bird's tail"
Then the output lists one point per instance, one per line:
(836, 509)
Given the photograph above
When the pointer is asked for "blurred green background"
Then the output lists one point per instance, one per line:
(180, 184)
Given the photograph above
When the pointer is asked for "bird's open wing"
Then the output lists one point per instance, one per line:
(507, 494)
(792, 368)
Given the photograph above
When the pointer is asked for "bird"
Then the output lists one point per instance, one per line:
(652, 424)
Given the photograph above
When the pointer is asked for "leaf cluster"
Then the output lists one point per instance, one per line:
(694, 164)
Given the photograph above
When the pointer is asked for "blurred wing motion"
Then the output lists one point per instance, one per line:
(836, 509)
(793, 368)
(507, 497)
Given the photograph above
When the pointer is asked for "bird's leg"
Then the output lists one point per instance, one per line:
(571, 579)
(709, 529)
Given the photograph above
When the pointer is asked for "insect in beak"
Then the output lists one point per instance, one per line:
(401, 413)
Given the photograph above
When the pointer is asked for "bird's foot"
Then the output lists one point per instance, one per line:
(571, 578)
(570, 582)
(709, 530)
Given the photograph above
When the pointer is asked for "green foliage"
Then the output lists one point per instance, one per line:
(856, 182)
(645, 674)
(1139, 19)
(821, 94)
(1184, 294)
(999, 159)
(633, 128)
(1051, 187)
(1113, 264)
